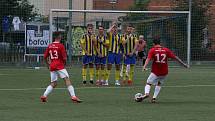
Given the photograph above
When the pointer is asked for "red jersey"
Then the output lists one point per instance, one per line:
(57, 53)
(160, 57)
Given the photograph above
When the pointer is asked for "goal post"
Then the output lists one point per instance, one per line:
(174, 27)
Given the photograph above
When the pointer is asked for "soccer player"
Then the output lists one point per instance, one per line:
(102, 44)
(57, 55)
(87, 45)
(141, 45)
(114, 56)
(159, 55)
(129, 42)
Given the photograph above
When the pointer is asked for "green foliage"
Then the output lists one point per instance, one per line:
(20, 8)
(199, 20)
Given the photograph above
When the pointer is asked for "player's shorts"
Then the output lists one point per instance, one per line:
(61, 73)
(130, 60)
(87, 59)
(153, 79)
(100, 60)
(141, 54)
(114, 58)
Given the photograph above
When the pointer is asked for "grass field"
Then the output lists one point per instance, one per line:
(187, 95)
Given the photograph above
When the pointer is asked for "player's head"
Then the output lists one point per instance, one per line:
(156, 41)
(90, 28)
(141, 37)
(57, 36)
(129, 28)
(101, 30)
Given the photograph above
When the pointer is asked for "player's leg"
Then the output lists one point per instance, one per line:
(152, 79)
(84, 69)
(98, 71)
(132, 62)
(97, 64)
(102, 72)
(110, 61)
(91, 69)
(52, 85)
(117, 72)
(65, 76)
(157, 88)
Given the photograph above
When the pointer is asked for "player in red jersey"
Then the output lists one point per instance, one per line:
(55, 57)
(159, 55)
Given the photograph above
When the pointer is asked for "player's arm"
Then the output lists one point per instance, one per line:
(46, 55)
(64, 54)
(107, 43)
(181, 62)
(135, 46)
(110, 29)
(173, 56)
(150, 54)
(96, 46)
(83, 44)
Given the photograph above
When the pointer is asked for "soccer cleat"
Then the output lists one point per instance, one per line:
(84, 83)
(144, 97)
(98, 83)
(130, 82)
(117, 83)
(76, 99)
(91, 82)
(105, 83)
(153, 100)
(43, 99)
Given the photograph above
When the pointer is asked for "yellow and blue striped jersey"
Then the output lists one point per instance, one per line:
(115, 41)
(101, 41)
(87, 42)
(130, 40)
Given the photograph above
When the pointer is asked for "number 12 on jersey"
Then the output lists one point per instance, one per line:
(160, 58)
(53, 54)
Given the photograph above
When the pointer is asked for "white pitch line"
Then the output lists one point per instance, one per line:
(172, 86)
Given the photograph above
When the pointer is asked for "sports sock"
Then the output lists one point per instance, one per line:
(128, 68)
(71, 90)
(131, 73)
(84, 74)
(124, 72)
(107, 74)
(102, 74)
(157, 90)
(97, 74)
(48, 91)
(147, 89)
(91, 73)
(117, 75)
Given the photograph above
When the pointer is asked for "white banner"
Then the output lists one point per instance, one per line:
(37, 41)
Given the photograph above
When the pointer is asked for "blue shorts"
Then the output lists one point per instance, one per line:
(130, 60)
(114, 58)
(100, 60)
(87, 59)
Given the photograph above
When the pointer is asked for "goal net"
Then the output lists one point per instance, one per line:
(171, 26)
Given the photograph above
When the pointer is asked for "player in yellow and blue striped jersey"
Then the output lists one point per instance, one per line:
(87, 45)
(129, 43)
(102, 44)
(114, 55)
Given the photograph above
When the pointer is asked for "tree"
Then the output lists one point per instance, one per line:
(199, 20)
(20, 8)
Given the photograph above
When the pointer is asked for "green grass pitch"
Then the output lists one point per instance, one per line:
(187, 95)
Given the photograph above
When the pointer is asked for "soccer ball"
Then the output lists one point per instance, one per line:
(138, 97)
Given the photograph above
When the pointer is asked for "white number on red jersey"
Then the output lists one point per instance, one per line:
(53, 54)
(160, 58)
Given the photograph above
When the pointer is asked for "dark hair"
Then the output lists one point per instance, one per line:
(56, 34)
(156, 40)
(89, 25)
(130, 25)
(101, 26)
